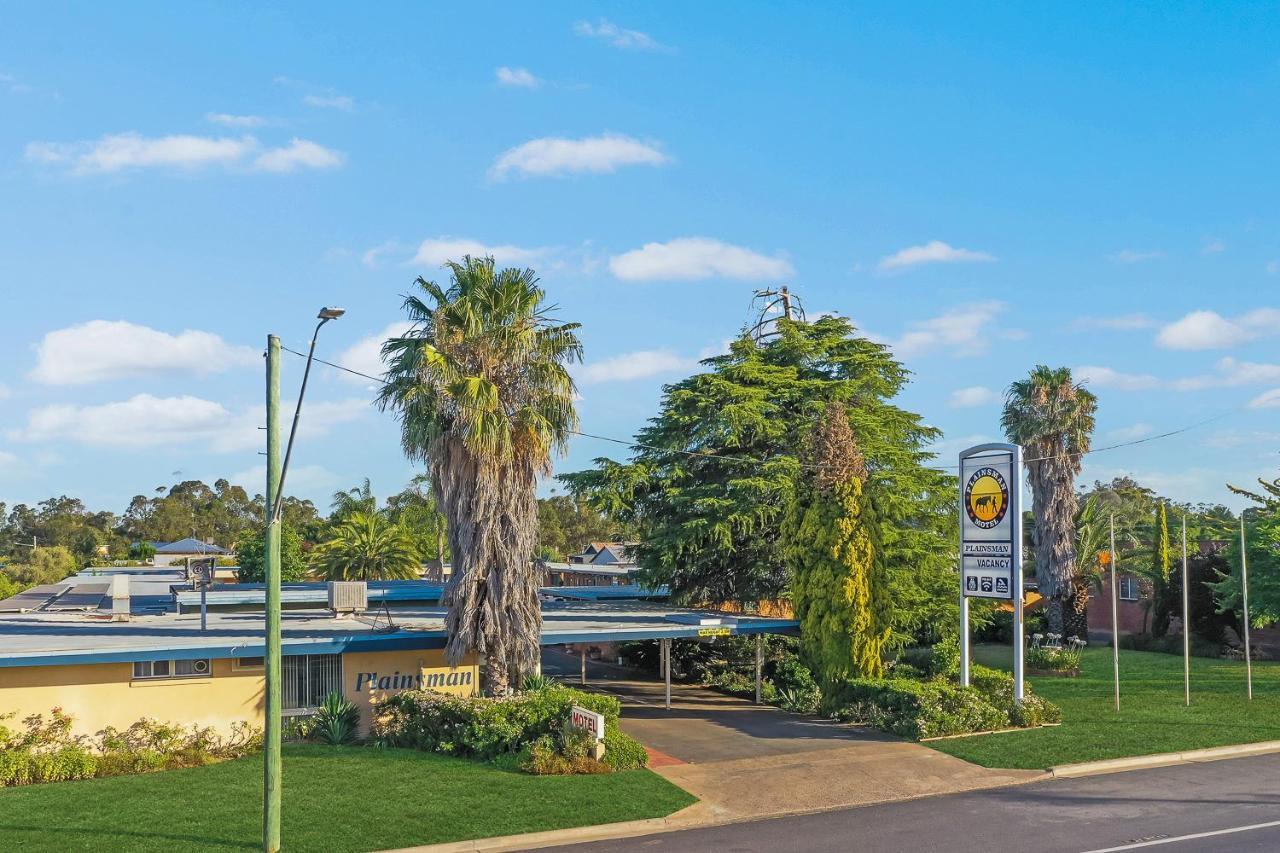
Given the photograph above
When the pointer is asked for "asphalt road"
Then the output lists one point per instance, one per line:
(1219, 806)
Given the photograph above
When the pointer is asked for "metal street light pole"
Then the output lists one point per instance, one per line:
(271, 781)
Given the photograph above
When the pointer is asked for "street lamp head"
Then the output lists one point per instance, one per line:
(330, 313)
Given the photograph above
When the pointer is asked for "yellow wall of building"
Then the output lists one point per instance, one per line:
(370, 676)
(105, 694)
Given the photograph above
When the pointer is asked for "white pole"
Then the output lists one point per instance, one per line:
(964, 599)
(1186, 620)
(582, 652)
(1244, 586)
(1015, 578)
(1115, 615)
(667, 643)
(759, 664)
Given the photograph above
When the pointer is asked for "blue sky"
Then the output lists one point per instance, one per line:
(1092, 186)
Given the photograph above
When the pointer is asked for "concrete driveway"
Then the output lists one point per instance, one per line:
(745, 761)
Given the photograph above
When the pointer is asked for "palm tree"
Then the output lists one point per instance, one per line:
(484, 398)
(1052, 418)
(355, 499)
(367, 546)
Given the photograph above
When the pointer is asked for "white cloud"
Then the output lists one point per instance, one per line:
(933, 252)
(554, 156)
(5, 393)
(1230, 438)
(301, 153)
(609, 32)
(1213, 246)
(635, 365)
(1135, 256)
(1273, 267)
(231, 120)
(101, 350)
(435, 251)
(1231, 373)
(372, 257)
(365, 355)
(964, 330)
(1106, 377)
(121, 151)
(1210, 330)
(1131, 432)
(1123, 322)
(978, 395)
(330, 102)
(1266, 400)
(145, 421)
(696, 258)
(519, 78)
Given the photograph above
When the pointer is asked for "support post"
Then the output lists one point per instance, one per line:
(1244, 588)
(1115, 614)
(204, 607)
(582, 652)
(759, 664)
(271, 786)
(964, 640)
(1186, 621)
(1015, 578)
(667, 671)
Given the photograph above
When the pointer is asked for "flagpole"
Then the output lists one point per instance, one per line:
(1244, 586)
(1115, 615)
(1186, 620)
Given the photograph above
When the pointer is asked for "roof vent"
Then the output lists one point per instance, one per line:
(348, 596)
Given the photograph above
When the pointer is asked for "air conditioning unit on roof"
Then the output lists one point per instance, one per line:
(348, 596)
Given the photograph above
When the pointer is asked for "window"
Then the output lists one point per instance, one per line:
(1128, 588)
(249, 663)
(152, 669)
(307, 679)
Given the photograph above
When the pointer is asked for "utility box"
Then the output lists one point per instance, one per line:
(348, 596)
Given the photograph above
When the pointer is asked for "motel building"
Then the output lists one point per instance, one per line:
(114, 647)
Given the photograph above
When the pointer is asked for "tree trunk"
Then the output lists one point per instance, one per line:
(497, 681)
(1053, 616)
(1075, 616)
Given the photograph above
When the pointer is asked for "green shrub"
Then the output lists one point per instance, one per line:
(535, 682)
(476, 727)
(337, 720)
(47, 751)
(622, 751)
(996, 686)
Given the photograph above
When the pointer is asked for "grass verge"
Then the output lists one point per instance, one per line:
(1152, 715)
(335, 799)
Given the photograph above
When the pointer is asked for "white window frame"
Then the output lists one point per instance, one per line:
(172, 667)
(335, 671)
(1135, 591)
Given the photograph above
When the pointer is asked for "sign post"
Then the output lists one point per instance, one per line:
(991, 542)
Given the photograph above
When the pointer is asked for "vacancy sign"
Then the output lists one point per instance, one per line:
(990, 492)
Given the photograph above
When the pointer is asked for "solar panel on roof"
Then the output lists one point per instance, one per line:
(31, 599)
(82, 596)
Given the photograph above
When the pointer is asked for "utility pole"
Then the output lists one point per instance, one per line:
(271, 763)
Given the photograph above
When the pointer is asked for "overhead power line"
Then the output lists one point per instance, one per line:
(728, 457)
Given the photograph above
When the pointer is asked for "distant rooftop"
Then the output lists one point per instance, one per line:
(190, 546)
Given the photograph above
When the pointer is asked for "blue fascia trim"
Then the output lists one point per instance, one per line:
(378, 643)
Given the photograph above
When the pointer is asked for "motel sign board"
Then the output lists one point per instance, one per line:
(990, 492)
(991, 542)
(588, 721)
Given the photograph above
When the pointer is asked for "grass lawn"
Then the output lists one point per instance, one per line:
(1152, 715)
(335, 799)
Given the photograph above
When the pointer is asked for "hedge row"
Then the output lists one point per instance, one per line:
(923, 709)
(487, 729)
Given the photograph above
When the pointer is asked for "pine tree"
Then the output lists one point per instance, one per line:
(831, 543)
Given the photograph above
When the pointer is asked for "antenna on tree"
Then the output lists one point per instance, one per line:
(769, 306)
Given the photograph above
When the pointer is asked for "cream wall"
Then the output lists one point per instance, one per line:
(105, 694)
(370, 676)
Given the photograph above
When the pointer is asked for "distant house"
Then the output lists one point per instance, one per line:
(176, 553)
(606, 554)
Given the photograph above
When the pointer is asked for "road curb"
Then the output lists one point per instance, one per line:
(554, 837)
(1164, 759)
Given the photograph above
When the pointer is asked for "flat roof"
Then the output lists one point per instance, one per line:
(47, 639)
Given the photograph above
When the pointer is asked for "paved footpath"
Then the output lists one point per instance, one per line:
(1213, 807)
(745, 761)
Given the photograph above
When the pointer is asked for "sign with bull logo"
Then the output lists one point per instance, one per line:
(989, 479)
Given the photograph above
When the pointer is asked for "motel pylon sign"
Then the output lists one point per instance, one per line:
(991, 541)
